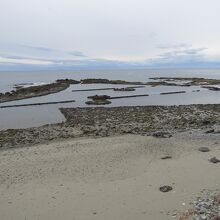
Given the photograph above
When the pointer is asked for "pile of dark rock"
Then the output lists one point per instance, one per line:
(98, 100)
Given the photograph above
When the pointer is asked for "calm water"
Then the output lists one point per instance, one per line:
(23, 117)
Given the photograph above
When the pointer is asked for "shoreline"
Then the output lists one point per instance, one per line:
(114, 121)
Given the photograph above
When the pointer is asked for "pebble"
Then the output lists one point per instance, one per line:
(166, 188)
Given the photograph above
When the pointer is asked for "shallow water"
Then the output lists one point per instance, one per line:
(23, 117)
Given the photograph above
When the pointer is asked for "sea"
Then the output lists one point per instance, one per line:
(32, 116)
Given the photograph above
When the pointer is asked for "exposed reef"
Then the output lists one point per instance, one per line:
(35, 91)
(183, 81)
(99, 122)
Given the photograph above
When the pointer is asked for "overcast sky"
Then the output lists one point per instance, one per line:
(151, 32)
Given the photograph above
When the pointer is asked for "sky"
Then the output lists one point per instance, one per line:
(71, 34)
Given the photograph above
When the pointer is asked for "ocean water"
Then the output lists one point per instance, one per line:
(23, 117)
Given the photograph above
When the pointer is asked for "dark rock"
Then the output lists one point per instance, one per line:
(166, 157)
(214, 160)
(204, 149)
(98, 102)
(161, 134)
(166, 188)
(99, 97)
(127, 89)
(210, 131)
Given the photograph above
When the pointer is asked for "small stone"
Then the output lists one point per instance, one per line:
(166, 188)
(204, 149)
(214, 160)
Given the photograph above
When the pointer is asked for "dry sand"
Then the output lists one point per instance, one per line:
(110, 178)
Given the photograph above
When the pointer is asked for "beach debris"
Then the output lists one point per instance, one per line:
(166, 188)
(214, 160)
(166, 157)
(204, 149)
(161, 134)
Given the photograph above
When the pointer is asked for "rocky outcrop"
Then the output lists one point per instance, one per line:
(107, 81)
(35, 91)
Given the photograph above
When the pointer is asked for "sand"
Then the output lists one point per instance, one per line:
(107, 178)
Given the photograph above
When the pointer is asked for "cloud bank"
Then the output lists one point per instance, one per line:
(39, 58)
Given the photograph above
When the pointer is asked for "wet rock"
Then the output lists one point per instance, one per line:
(204, 149)
(165, 188)
(214, 160)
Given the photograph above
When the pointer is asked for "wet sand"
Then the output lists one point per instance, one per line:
(107, 178)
